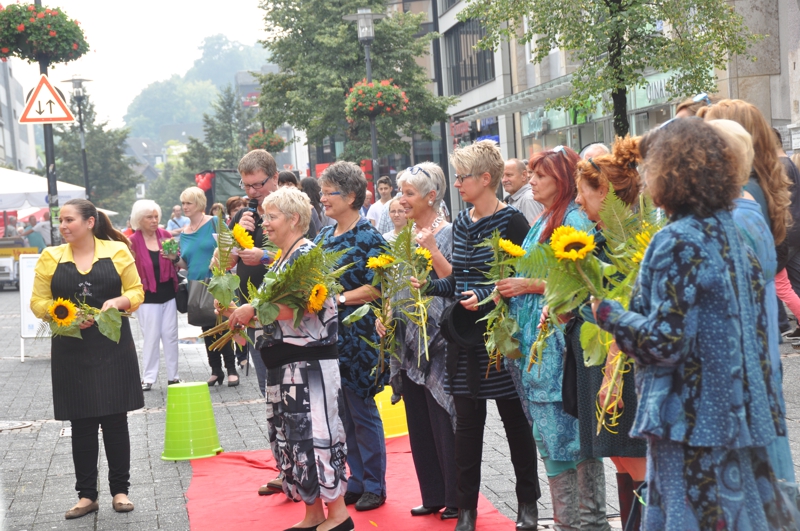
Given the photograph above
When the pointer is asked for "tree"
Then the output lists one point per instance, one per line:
(223, 58)
(614, 42)
(168, 102)
(320, 59)
(111, 177)
(227, 130)
(176, 176)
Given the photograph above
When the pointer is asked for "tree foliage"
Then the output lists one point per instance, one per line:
(222, 58)
(112, 180)
(227, 129)
(616, 42)
(320, 59)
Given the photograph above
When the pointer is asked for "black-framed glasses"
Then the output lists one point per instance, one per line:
(328, 194)
(702, 97)
(460, 178)
(256, 186)
(414, 170)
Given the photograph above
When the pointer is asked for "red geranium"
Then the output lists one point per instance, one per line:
(373, 99)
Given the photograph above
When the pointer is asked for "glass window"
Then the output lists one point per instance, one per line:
(467, 66)
(444, 5)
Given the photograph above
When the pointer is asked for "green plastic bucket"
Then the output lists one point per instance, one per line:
(191, 431)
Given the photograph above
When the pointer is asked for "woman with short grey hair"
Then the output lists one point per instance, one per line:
(343, 190)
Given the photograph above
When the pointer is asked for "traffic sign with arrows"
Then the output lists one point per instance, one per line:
(46, 106)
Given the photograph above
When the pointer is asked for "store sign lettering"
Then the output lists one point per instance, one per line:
(657, 90)
(460, 128)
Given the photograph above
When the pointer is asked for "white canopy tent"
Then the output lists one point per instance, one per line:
(20, 190)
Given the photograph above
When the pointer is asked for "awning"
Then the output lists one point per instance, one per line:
(20, 190)
(522, 101)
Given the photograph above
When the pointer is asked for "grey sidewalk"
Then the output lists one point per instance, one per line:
(36, 473)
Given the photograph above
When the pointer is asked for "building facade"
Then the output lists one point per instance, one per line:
(17, 142)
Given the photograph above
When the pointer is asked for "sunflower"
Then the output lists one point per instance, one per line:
(317, 298)
(511, 249)
(63, 312)
(641, 241)
(277, 256)
(426, 254)
(242, 237)
(380, 262)
(571, 244)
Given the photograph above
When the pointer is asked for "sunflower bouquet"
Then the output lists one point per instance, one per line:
(500, 326)
(66, 318)
(223, 285)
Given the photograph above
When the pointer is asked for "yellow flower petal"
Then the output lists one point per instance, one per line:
(317, 298)
(242, 237)
(511, 249)
(571, 244)
(63, 312)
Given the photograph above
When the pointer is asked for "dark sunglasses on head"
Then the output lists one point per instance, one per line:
(414, 170)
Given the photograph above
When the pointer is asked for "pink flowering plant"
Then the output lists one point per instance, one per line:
(269, 141)
(36, 33)
(373, 99)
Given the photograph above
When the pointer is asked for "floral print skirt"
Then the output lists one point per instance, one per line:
(690, 488)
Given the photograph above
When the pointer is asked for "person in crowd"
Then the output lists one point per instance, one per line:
(288, 178)
(384, 188)
(128, 232)
(158, 314)
(470, 380)
(259, 179)
(518, 190)
(233, 205)
(218, 211)
(691, 106)
(11, 228)
(95, 380)
(419, 379)
(398, 216)
(43, 228)
(577, 484)
(197, 246)
(35, 238)
(707, 403)
(177, 222)
(303, 357)
(367, 203)
(343, 190)
(310, 187)
(595, 149)
(595, 177)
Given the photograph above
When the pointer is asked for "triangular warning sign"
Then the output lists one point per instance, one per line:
(46, 106)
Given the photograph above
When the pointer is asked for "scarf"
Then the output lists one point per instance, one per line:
(144, 265)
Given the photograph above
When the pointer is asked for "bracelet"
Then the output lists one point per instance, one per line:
(176, 259)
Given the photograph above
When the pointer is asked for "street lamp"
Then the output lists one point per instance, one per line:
(79, 96)
(366, 34)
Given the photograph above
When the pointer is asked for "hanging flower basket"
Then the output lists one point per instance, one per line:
(366, 100)
(40, 34)
(271, 141)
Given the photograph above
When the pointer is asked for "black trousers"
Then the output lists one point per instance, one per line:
(430, 433)
(215, 357)
(86, 449)
(471, 420)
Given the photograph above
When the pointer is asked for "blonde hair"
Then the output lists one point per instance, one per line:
(196, 196)
(742, 144)
(140, 209)
(290, 201)
(427, 178)
(479, 158)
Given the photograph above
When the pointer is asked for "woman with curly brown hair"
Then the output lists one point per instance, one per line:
(595, 177)
(707, 403)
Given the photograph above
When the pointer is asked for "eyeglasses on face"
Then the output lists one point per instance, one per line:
(396, 212)
(328, 194)
(460, 178)
(256, 186)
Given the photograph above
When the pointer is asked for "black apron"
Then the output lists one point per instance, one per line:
(93, 376)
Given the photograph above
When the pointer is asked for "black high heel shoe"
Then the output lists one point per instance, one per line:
(217, 376)
(233, 383)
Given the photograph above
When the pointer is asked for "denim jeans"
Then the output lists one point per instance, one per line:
(366, 449)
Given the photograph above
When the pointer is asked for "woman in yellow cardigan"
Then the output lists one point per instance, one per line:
(95, 381)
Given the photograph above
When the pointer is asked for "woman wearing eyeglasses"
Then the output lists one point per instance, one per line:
(470, 381)
(398, 216)
(343, 190)
(577, 487)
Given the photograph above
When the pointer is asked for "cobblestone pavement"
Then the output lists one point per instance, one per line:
(36, 473)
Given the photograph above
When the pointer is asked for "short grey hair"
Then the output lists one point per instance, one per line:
(140, 209)
(348, 179)
(290, 201)
(258, 159)
(522, 165)
(425, 178)
(592, 147)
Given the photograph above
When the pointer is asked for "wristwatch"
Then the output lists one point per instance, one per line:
(342, 299)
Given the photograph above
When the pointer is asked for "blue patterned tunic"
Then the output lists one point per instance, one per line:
(540, 388)
(708, 406)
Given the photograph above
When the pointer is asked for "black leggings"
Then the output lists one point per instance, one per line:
(471, 420)
(226, 353)
(86, 449)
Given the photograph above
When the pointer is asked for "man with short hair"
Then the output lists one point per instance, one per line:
(177, 222)
(43, 228)
(366, 205)
(520, 196)
(384, 188)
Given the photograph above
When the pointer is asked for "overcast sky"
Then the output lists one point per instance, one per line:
(133, 44)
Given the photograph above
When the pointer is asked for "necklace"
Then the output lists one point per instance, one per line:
(349, 226)
(285, 256)
(434, 225)
(194, 229)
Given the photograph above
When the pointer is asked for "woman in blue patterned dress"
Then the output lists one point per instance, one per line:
(343, 190)
(697, 329)
(577, 487)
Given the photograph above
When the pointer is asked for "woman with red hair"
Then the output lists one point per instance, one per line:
(577, 487)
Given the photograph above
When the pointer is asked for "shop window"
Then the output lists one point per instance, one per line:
(444, 5)
(467, 66)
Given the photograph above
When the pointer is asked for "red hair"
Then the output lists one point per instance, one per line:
(560, 165)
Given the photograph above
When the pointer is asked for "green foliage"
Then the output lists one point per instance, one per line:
(175, 178)
(111, 178)
(35, 33)
(223, 58)
(595, 343)
(320, 59)
(110, 323)
(614, 42)
(618, 221)
(269, 141)
(227, 130)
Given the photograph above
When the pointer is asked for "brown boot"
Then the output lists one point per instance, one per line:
(273, 487)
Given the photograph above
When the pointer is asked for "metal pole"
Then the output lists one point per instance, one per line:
(372, 131)
(50, 164)
(83, 150)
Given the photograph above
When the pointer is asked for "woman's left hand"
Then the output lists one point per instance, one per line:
(111, 303)
(471, 302)
(241, 317)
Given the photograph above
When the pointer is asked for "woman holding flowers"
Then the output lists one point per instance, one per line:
(303, 383)
(577, 486)
(479, 168)
(595, 177)
(429, 409)
(696, 326)
(197, 249)
(158, 315)
(95, 380)
(344, 188)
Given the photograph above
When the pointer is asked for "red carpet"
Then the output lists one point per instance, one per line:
(223, 493)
